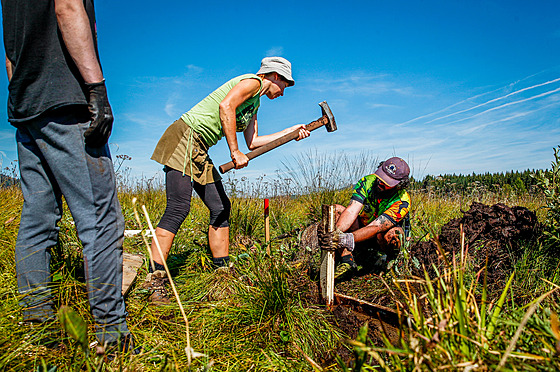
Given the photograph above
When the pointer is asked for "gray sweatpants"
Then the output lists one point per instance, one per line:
(54, 161)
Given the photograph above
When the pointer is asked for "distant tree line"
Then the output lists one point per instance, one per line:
(508, 182)
(512, 181)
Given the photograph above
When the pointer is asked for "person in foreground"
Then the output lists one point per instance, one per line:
(58, 103)
(376, 219)
(183, 150)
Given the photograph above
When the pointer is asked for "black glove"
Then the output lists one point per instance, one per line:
(99, 130)
(325, 239)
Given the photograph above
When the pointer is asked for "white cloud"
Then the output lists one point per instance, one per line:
(275, 51)
(496, 129)
(380, 105)
(169, 108)
(193, 69)
(7, 134)
(360, 83)
(149, 121)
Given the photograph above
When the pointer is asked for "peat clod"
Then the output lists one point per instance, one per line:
(496, 234)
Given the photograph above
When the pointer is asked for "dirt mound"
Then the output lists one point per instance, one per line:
(496, 233)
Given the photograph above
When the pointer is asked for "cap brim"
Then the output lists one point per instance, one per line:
(391, 182)
(267, 70)
(288, 79)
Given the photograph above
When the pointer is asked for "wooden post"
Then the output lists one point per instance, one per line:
(266, 226)
(327, 258)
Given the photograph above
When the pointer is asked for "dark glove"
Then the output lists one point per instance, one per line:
(99, 130)
(325, 239)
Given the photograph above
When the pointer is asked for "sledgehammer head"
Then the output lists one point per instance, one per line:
(331, 124)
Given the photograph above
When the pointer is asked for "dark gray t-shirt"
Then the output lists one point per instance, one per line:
(44, 74)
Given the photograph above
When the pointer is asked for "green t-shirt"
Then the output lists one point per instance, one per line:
(204, 118)
(395, 207)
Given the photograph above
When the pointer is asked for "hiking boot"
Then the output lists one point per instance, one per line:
(47, 333)
(156, 283)
(344, 271)
(122, 346)
(227, 269)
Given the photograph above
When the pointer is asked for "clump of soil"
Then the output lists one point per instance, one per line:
(496, 234)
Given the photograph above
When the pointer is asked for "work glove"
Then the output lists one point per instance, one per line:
(344, 240)
(325, 239)
(335, 240)
(101, 124)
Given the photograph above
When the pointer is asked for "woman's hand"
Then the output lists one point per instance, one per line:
(240, 160)
(303, 132)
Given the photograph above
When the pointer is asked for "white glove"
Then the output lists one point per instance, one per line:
(345, 240)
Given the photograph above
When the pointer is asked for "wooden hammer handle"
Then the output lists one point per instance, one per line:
(277, 142)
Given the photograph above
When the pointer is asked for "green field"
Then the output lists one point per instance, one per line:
(260, 317)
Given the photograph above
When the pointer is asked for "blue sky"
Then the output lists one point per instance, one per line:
(450, 86)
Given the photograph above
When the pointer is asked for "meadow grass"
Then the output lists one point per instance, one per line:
(256, 320)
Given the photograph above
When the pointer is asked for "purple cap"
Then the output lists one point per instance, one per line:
(393, 171)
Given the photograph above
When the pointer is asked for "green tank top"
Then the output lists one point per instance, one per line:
(204, 118)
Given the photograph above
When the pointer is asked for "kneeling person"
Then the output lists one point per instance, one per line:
(377, 215)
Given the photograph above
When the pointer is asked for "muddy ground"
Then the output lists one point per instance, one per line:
(347, 318)
(495, 235)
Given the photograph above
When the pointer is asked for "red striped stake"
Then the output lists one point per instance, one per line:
(266, 226)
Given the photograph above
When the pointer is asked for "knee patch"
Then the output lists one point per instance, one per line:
(219, 217)
(174, 216)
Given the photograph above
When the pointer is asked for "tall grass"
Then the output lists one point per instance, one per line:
(325, 178)
(256, 319)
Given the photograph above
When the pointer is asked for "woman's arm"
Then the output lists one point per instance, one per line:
(254, 140)
(244, 90)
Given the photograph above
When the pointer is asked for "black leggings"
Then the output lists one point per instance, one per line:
(178, 189)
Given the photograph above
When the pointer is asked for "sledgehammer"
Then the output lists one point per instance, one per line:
(327, 120)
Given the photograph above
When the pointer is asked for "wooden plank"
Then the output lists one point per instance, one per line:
(131, 264)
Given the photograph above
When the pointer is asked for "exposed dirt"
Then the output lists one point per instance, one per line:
(349, 321)
(346, 318)
(496, 234)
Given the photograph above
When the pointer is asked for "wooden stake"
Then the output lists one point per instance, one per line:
(327, 259)
(266, 226)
